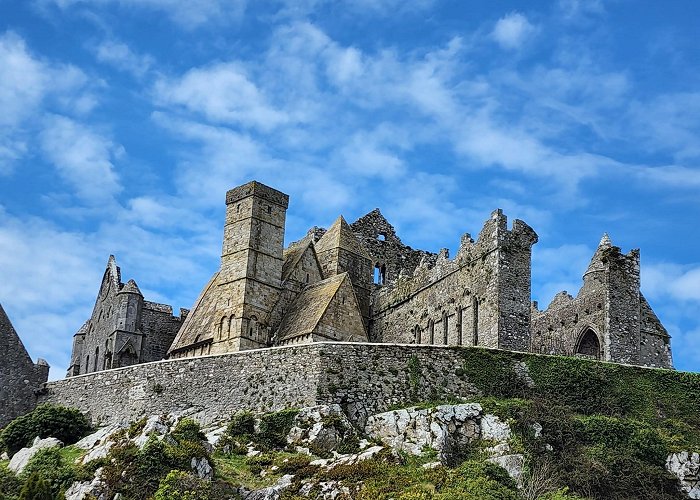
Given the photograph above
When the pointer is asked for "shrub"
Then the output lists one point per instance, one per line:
(274, 427)
(36, 488)
(188, 430)
(9, 484)
(66, 424)
(242, 424)
(178, 485)
(48, 464)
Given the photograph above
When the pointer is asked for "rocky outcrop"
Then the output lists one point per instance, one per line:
(95, 489)
(22, 457)
(686, 467)
(321, 429)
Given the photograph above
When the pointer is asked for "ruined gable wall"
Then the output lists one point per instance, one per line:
(624, 307)
(379, 238)
(655, 343)
(19, 376)
(482, 297)
(101, 324)
(558, 329)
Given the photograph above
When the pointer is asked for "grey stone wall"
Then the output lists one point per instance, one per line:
(20, 377)
(363, 378)
(388, 252)
(481, 297)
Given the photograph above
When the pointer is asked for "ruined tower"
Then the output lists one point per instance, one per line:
(233, 311)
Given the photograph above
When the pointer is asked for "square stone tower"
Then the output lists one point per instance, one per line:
(233, 311)
(251, 260)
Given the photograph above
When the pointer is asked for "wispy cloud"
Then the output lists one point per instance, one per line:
(513, 30)
(188, 15)
(120, 55)
(222, 93)
(83, 158)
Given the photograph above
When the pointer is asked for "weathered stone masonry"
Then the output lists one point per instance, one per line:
(20, 377)
(363, 378)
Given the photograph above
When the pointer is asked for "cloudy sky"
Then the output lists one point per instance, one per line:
(123, 123)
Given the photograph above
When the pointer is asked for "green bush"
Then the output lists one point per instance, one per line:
(242, 424)
(36, 488)
(9, 484)
(66, 424)
(188, 430)
(178, 485)
(274, 427)
(49, 465)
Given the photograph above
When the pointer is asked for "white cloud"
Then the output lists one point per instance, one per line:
(120, 56)
(669, 280)
(28, 85)
(187, 14)
(82, 158)
(512, 31)
(222, 93)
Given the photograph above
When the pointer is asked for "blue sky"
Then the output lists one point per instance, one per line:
(123, 123)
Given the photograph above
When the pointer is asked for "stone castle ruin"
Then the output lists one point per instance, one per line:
(291, 317)
(359, 283)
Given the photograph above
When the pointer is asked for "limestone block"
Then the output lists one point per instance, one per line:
(494, 429)
(95, 489)
(513, 464)
(686, 467)
(320, 428)
(202, 468)
(22, 457)
(444, 428)
(101, 435)
(270, 493)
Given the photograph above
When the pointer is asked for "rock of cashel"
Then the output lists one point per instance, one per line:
(353, 288)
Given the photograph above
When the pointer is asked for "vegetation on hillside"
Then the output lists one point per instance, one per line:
(606, 431)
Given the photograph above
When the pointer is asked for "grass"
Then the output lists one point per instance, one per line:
(71, 453)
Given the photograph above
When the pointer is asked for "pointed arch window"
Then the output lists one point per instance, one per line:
(588, 345)
(431, 331)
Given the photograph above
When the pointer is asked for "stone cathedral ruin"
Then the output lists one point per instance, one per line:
(359, 283)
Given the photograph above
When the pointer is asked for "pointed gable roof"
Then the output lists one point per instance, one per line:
(597, 264)
(293, 254)
(10, 343)
(340, 235)
(309, 307)
(131, 287)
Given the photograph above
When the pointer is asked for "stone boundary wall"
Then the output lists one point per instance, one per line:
(364, 378)
(211, 386)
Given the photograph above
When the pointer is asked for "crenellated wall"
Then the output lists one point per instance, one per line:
(481, 297)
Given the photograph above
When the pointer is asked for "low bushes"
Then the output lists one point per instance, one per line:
(66, 424)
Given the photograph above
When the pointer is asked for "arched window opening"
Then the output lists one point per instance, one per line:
(431, 331)
(588, 345)
(445, 327)
(97, 358)
(379, 274)
(222, 327)
(87, 364)
(416, 333)
(253, 327)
